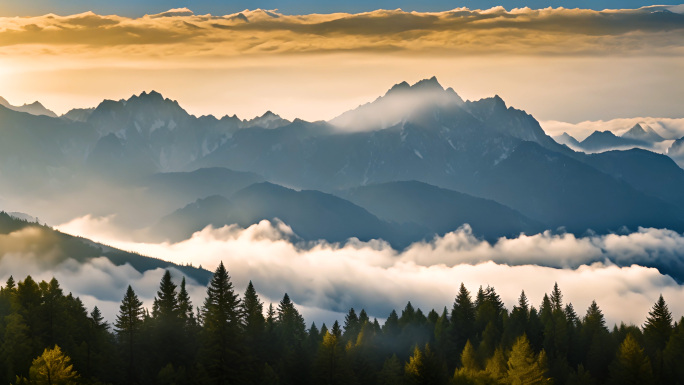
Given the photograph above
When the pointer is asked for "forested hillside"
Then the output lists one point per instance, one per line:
(49, 337)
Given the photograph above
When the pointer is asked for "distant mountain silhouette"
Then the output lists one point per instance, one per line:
(605, 140)
(441, 210)
(312, 215)
(150, 157)
(79, 114)
(34, 108)
(643, 133)
(567, 140)
(560, 191)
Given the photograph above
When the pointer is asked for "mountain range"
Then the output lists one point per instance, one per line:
(418, 161)
(639, 136)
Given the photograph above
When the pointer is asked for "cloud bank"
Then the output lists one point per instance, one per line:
(551, 31)
(668, 128)
(327, 279)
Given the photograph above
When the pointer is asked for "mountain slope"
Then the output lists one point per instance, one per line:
(606, 140)
(441, 210)
(563, 192)
(312, 215)
(51, 247)
(567, 140)
(34, 108)
(443, 141)
(644, 133)
(654, 174)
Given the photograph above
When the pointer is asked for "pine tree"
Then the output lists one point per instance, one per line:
(424, 368)
(672, 356)
(352, 326)
(497, 366)
(331, 365)
(253, 310)
(128, 325)
(462, 323)
(556, 298)
(221, 315)
(291, 326)
(658, 325)
(254, 328)
(391, 373)
(469, 359)
(53, 368)
(166, 302)
(185, 306)
(595, 342)
(523, 366)
(631, 365)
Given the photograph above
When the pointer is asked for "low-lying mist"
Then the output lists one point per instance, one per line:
(326, 279)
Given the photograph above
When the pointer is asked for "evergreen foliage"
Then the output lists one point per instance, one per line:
(231, 341)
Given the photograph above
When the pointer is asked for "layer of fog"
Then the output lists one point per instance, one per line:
(327, 279)
(667, 128)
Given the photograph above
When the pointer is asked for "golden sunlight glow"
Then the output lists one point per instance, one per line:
(317, 66)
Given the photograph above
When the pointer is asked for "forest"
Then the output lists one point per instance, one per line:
(47, 337)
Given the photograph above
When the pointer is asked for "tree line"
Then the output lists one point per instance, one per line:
(47, 337)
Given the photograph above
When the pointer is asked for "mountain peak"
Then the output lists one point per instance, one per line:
(151, 95)
(428, 83)
(398, 87)
(398, 104)
(35, 108)
(643, 132)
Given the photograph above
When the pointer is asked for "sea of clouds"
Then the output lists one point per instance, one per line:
(326, 279)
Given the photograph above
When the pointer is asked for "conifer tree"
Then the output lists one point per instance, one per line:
(672, 356)
(185, 306)
(254, 329)
(595, 342)
(657, 331)
(391, 373)
(462, 323)
(128, 325)
(53, 368)
(221, 315)
(424, 368)
(166, 302)
(631, 365)
(469, 362)
(523, 366)
(331, 365)
(291, 326)
(352, 326)
(556, 298)
(497, 366)
(658, 325)
(253, 310)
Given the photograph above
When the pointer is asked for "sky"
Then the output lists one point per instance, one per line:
(565, 65)
(139, 8)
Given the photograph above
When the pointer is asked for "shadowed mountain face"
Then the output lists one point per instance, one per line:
(574, 195)
(643, 133)
(676, 151)
(34, 108)
(441, 210)
(135, 158)
(20, 237)
(446, 142)
(567, 140)
(312, 215)
(602, 140)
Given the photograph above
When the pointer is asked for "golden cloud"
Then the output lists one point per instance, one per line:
(551, 31)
